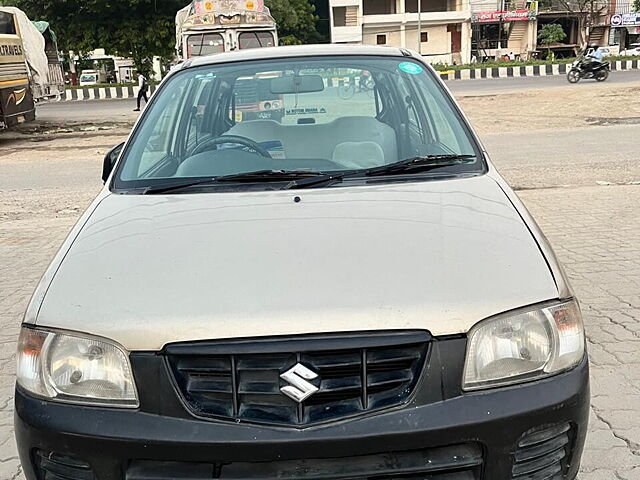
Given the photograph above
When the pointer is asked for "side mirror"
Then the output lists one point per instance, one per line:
(110, 160)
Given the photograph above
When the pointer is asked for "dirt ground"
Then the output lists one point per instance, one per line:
(74, 150)
(50, 172)
(554, 108)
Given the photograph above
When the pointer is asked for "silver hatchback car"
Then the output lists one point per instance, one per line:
(303, 266)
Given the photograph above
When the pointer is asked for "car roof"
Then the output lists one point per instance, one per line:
(295, 51)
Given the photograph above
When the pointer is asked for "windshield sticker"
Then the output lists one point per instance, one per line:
(305, 111)
(411, 68)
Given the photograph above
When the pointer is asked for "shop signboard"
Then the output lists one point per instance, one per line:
(625, 20)
(503, 16)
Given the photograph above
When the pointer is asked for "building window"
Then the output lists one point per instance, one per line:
(352, 16)
(424, 37)
(339, 16)
(411, 6)
(379, 7)
(381, 39)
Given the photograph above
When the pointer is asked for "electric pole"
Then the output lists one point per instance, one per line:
(420, 27)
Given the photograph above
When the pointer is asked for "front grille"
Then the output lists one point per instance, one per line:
(455, 462)
(354, 374)
(53, 466)
(542, 453)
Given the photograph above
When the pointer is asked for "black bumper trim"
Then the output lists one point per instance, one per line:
(459, 459)
(110, 439)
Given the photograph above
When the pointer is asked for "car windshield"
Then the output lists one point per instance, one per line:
(323, 114)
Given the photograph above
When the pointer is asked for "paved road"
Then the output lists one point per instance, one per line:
(551, 158)
(89, 111)
(122, 110)
(595, 229)
(516, 84)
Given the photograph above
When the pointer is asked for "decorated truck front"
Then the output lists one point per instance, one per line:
(215, 26)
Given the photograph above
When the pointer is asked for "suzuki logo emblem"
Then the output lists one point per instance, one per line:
(299, 389)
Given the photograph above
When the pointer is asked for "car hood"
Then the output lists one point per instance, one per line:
(439, 255)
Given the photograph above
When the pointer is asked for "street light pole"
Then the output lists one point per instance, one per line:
(420, 27)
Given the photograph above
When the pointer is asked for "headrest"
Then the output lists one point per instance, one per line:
(358, 154)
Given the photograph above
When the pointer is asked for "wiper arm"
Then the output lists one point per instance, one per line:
(424, 161)
(157, 189)
(255, 176)
(268, 175)
(304, 178)
(427, 161)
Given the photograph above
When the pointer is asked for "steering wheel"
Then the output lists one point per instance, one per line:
(249, 145)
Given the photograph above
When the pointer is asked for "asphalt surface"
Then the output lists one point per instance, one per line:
(89, 111)
(122, 110)
(515, 84)
(47, 180)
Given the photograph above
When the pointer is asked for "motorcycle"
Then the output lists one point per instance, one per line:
(583, 68)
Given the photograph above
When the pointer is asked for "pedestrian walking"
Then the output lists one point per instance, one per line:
(142, 92)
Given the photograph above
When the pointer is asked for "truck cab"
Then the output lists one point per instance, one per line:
(202, 29)
(16, 99)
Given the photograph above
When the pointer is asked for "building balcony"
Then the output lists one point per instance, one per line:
(575, 6)
(426, 18)
(352, 34)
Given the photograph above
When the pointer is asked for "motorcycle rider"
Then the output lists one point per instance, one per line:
(593, 58)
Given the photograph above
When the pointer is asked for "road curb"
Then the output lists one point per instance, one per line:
(102, 93)
(526, 71)
(111, 93)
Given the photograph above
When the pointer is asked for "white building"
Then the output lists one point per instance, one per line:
(445, 26)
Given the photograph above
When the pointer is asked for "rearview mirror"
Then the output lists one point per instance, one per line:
(297, 84)
(110, 160)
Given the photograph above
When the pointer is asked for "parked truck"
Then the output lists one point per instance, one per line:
(214, 26)
(30, 70)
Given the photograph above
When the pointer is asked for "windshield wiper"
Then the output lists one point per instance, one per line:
(244, 177)
(422, 162)
(156, 189)
(299, 179)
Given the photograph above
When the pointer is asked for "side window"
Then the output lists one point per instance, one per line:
(7, 25)
(199, 114)
(159, 144)
(255, 40)
(410, 103)
(444, 133)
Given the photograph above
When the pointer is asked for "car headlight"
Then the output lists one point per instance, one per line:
(74, 368)
(522, 346)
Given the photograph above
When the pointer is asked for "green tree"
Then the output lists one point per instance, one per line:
(139, 29)
(549, 34)
(636, 5)
(296, 21)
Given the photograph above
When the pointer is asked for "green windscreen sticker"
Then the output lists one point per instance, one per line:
(410, 67)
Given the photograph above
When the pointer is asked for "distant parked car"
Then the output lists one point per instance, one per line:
(92, 77)
(606, 51)
(634, 49)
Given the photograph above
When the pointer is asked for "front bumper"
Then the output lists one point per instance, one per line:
(481, 431)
